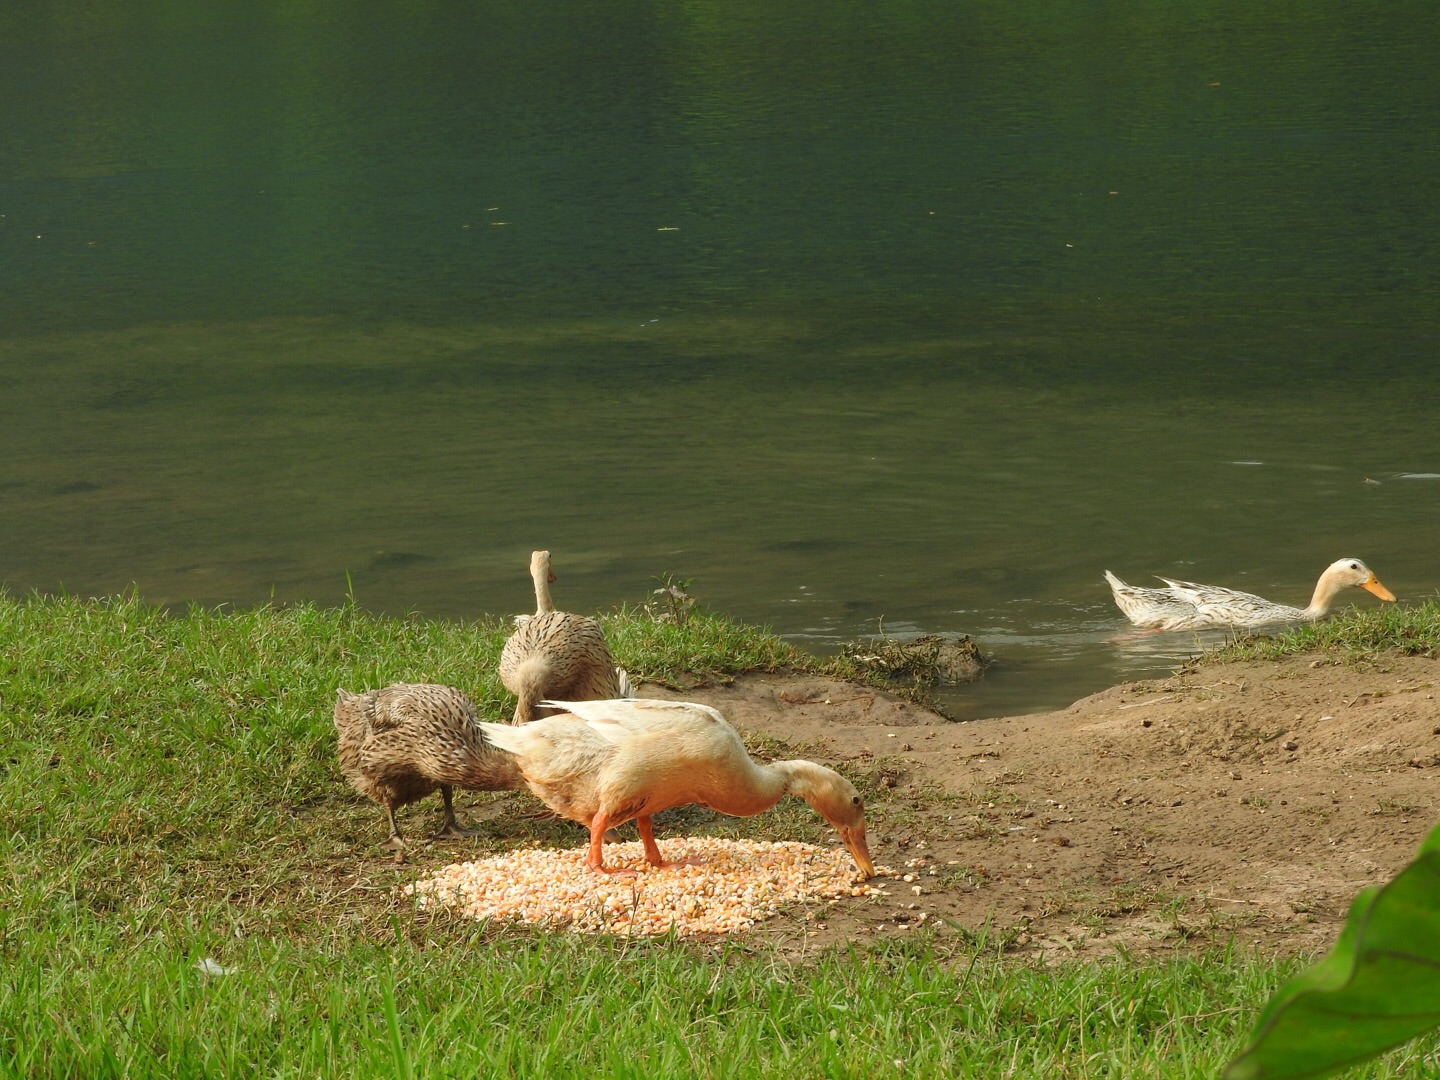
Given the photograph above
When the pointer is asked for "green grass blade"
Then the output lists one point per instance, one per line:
(401, 1057)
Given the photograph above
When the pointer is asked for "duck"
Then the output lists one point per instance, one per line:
(401, 743)
(1185, 605)
(603, 763)
(556, 654)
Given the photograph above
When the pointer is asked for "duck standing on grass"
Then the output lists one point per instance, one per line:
(603, 763)
(399, 744)
(1188, 606)
(556, 654)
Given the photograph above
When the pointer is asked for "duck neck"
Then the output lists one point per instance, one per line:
(490, 770)
(479, 765)
(752, 789)
(798, 778)
(540, 571)
(1325, 590)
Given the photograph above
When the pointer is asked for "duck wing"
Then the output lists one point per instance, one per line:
(619, 720)
(395, 706)
(1219, 606)
(662, 753)
(1210, 594)
(1161, 609)
(560, 759)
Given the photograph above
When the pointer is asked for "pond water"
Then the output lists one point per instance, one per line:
(914, 319)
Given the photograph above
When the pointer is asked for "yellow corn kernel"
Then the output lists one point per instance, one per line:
(738, 883)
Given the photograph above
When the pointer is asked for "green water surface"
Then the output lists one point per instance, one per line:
(926, 313)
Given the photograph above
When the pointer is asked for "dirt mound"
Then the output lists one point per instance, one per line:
(1243, 800)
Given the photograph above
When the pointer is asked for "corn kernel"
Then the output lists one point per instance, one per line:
(737, 884)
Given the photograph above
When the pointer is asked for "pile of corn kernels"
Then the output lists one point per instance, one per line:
(736, 884)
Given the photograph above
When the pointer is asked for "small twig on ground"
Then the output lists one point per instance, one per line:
(825, 701)
(1152, 701)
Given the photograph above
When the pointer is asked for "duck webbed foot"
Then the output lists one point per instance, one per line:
(652, 849)
(397, 844)
(450, 828)
(614, 871)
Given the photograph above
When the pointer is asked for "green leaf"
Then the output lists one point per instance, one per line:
(1378, 987)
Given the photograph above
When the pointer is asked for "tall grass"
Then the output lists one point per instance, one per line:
(189, 888)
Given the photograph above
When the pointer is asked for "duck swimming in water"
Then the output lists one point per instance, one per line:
(1184, 605)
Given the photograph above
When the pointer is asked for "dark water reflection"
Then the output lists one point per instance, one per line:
(926, 315)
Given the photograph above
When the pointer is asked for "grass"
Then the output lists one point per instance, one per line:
(1359, 634)
(188, 888)
(562, 1007)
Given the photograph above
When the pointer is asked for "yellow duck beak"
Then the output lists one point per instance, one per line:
(1372, 585)
(859, 850)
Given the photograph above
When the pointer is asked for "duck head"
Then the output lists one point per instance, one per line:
(1347, 572)
(835, 799)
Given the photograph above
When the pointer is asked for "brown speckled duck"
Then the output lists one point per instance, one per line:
(553, 654)
(399, 744)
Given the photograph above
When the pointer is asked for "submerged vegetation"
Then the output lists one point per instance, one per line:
(191, 888)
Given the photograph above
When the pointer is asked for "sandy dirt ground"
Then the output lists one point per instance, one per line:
(1242, 803)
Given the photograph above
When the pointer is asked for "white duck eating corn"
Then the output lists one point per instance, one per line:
(603, 763)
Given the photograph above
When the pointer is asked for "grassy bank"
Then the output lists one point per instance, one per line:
(1358, 635)
(190, 888)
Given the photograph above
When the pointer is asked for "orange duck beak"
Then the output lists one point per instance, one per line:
(854, 838)
(1372, 585)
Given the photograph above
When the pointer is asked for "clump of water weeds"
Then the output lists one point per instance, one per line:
(931, 660)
